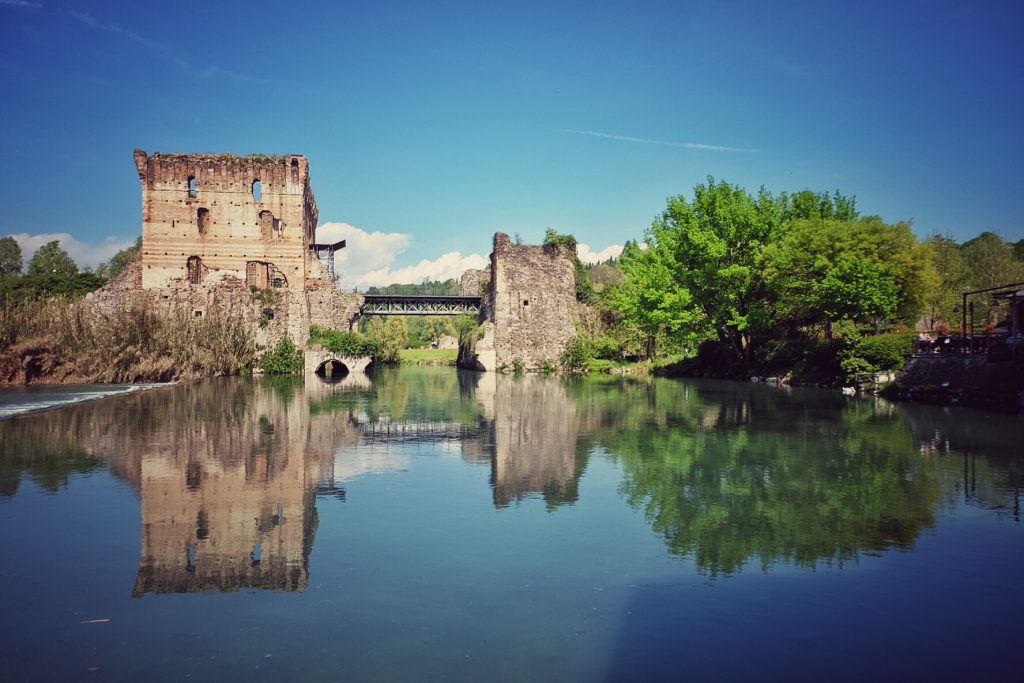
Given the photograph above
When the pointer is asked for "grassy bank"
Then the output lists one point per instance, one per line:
(428, 356)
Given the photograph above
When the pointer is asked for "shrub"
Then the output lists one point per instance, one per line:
(284, 359)
(576, 355)
(886, 351)
(342, 343)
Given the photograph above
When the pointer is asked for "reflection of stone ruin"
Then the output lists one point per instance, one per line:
(534, 449)
(227, 499)
(235, 508)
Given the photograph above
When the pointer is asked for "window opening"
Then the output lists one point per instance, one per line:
(202, 219)
(295, 170)
(193, 192)
(257, 190)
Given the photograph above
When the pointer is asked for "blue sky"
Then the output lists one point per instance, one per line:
(437, 124)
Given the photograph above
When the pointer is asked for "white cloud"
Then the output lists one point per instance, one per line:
(444, 267)
(20, 3)
(368, 258)
(588, 255)
(83, 253)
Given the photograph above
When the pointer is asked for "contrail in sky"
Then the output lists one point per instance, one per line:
(666, 143)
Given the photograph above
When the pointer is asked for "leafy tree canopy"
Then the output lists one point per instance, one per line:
(50, 259)
(10, 257)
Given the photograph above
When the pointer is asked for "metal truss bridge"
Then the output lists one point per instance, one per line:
(419, 304)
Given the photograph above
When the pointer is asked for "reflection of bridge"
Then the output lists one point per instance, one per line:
(415, 430)
(419, 304)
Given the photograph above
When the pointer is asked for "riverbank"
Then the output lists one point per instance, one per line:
(960, 381)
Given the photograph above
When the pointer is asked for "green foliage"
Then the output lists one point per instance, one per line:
(884, 352)
(807, 251)
(119, 261)
(388, 339)
(50, 259)
(448, 287)
(517, 366)
(857, 288)
(808, 205)
(576, 355)
(27, 287)
(469, 331)
(699, 275)
(283, 359)
(10, 257)
(342, 343)
(584, 286)
(436, 326)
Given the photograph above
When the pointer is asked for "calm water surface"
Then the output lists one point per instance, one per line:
(431, 525)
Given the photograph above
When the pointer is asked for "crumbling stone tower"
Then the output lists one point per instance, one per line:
(217, 226)
(206, 215)
(529, 306)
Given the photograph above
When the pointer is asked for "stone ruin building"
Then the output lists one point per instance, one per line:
(529, 309)
(239, 233)
(225, 229)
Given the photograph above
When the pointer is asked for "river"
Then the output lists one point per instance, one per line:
(428, 524)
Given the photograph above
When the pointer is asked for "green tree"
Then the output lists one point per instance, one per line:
(50, 259)
(943, 305)
(10, 257)
(388, 338)
(712, 249)
(652, 298)
(808, 205)
(118, 262)
(807, 250)
(857, 288)
(435, 327)
(990, 262)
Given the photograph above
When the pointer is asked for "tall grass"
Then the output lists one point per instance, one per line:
(65, 340)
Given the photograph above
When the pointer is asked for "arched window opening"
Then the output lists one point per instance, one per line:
(202, 219)
(193, 191)
(257, 190)
(295, 170)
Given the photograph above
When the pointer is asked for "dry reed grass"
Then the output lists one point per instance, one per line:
(63, 341)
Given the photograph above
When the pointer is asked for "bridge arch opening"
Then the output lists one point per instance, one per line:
(332, 370)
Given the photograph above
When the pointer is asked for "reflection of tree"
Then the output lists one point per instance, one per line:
(44, 454)
(730, 472)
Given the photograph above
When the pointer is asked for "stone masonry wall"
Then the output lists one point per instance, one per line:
(528, 310)
(249, 217)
